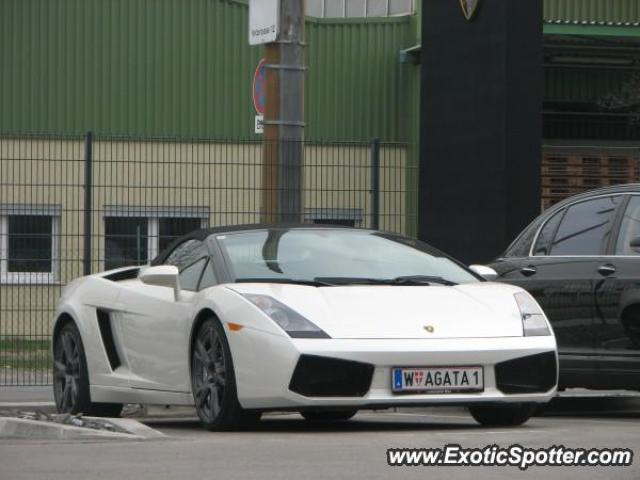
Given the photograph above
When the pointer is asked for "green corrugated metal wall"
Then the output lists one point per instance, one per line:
(125, 66)
(356, 79)
(613, 12)
(566, 84)
(184, 67)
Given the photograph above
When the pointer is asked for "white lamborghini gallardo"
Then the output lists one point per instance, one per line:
(320, 320)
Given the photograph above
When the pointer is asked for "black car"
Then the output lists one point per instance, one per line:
(581, 260)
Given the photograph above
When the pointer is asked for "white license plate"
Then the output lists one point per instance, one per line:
(437, 379)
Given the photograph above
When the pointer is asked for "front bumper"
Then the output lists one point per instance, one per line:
(265, 365)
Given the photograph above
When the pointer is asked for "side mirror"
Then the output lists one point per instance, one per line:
(485, 272)
(635, 244)
(162, 276)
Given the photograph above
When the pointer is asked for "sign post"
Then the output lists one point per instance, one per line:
(279, 82)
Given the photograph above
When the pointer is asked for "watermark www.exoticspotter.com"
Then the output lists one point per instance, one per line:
(512, 456)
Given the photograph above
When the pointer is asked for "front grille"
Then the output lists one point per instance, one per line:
(530, 374)
(330, 377)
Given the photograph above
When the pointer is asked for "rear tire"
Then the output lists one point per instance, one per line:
(328, 416)
(213, 381)
(71, 377)
(503, 415)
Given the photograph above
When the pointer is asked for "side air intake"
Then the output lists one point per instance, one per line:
(106, 332)
(122, 275)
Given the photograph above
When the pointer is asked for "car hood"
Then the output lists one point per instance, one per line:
(476, 310)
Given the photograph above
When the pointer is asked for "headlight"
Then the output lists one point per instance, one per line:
(534, 323)
(289, 320)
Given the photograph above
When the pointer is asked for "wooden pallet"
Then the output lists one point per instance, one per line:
(566, 175)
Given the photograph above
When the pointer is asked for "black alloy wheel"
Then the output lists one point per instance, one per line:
(213, 381)
(71, 377)
(66, 372)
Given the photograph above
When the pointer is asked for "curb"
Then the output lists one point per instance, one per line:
(136, 428)
(39, 430)
(33, 429)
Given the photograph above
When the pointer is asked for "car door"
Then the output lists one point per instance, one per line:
(617, 293)
(155, 327)
(560, 272)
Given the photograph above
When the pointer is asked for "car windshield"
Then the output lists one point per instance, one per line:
(336, 256)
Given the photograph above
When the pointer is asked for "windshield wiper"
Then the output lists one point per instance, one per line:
(399, 281)
(294, 281)
(422, 280)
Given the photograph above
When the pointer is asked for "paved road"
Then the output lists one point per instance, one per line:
(286, 447)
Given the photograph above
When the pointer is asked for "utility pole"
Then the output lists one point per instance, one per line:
(283, 147)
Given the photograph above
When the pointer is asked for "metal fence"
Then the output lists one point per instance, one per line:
(71, 205)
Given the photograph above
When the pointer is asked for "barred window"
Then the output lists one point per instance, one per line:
(126, 241)
(347, 217)
(135, 235)
(28, 244)
(171, 228)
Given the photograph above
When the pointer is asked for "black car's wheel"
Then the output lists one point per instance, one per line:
(503, 415)
(328, 416)
(213, 381)
(71, 377)
(540, 410)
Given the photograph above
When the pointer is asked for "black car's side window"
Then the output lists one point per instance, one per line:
(586, 227)
(630, 228)
(543, 243)
(522, 245)
(190, 276)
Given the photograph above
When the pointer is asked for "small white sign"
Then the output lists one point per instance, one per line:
(259, 124)
(264, 21)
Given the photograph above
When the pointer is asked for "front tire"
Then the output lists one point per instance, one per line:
(328, 416)
(71, 377)
(213, 381)
(502, 415)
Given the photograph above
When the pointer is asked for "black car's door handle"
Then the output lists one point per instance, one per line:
(528, 271)
(606, 269)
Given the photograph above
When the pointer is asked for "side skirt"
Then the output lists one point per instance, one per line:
(103, 394)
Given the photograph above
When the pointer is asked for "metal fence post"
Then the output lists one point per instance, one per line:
(375, 184)
(88, 197)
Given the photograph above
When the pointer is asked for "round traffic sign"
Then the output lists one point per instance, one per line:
(259, 87)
